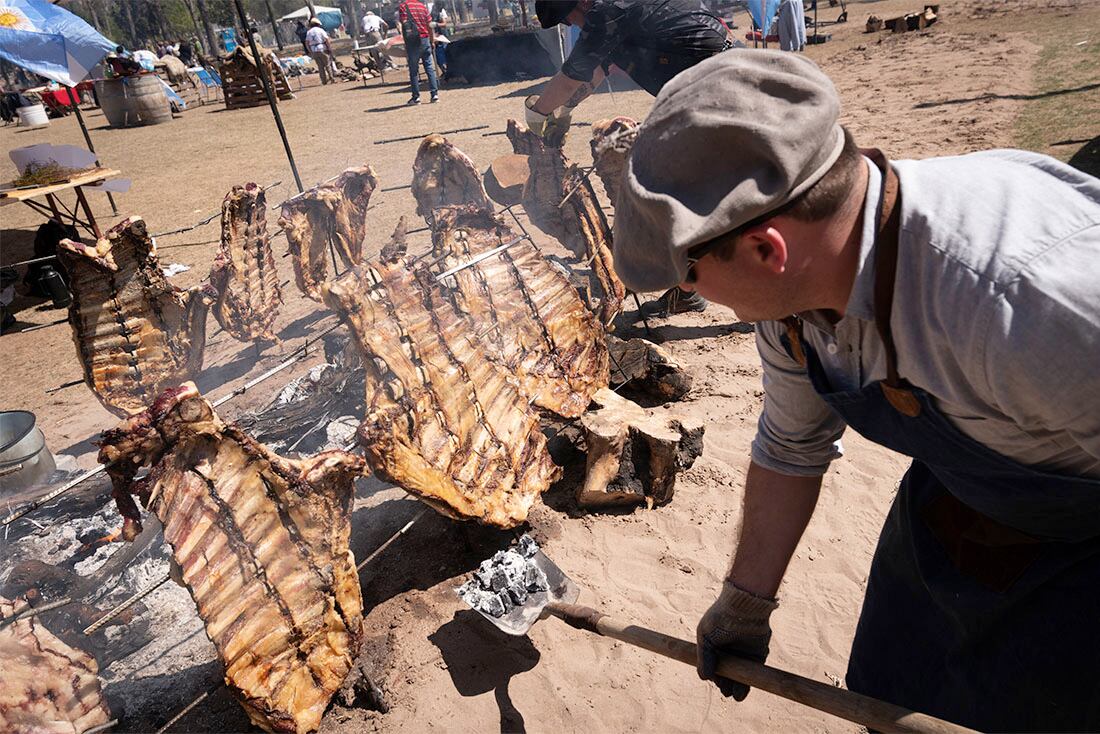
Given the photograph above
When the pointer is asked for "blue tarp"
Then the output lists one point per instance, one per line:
(763, 13)
(49, 41)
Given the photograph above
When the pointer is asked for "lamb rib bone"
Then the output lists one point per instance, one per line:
(262, 543)
(134, 331)
(244, 271)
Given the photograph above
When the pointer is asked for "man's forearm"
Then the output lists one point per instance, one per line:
(776, 510)
(562, 90)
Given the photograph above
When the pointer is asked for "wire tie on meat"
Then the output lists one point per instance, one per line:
(96, 625)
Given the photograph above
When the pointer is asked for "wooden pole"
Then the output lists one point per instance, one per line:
(872, 713)
(261, 67)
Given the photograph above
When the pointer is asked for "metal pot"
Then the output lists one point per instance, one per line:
(24, 458)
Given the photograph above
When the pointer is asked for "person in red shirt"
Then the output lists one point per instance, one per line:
(416, 28)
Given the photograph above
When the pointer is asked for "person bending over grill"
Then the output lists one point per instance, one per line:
(947, 309)
(652, 41)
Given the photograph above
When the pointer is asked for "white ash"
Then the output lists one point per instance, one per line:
(340, 433)
(504, 581)
(302, 387)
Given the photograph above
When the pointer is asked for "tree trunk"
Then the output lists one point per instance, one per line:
(128, 16)
(274, 24)
(212, 46)
(93, 13)
(195, 22)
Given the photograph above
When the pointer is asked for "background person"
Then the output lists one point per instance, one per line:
(320, 49)
(416, 29)
(947, 309)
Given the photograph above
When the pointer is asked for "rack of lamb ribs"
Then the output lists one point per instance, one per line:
(134, 331)
(445, 176)
(262, 542)
(528, 315)
(332, 213)
(578, 223)
(243, 272)
(47, 686)
(442, 420)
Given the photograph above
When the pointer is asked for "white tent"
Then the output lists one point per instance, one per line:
(303, 14)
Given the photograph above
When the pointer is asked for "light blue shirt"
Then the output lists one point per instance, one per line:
(996, 315)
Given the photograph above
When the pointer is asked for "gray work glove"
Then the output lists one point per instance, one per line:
(736, 624)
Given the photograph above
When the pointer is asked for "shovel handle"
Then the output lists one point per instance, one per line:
(872, 713)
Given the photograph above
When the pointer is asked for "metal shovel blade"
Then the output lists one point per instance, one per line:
(523, 616)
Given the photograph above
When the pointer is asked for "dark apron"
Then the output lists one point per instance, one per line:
(983, 599)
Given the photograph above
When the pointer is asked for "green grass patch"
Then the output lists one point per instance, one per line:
(1062, 116)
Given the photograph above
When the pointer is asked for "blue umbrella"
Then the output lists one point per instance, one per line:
(50, 41)
(762, 12)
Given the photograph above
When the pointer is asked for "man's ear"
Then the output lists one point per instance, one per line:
(765, 246)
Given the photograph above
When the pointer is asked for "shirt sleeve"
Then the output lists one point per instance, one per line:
(1043, 345)
(797, 434)
(601, 35)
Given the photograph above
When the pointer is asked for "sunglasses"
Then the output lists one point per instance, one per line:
(696, 254)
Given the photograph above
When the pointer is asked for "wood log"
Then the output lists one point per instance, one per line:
(505, 179)
(647, 368)
(634, 454)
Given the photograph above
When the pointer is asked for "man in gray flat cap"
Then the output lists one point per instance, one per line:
(948, 309)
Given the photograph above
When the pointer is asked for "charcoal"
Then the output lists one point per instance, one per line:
(505, 581)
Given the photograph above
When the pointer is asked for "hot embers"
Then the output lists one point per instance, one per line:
(504, 581)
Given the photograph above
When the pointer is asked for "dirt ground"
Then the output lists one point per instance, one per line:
(962, 85)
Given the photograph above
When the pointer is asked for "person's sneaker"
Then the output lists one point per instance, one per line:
(414, 100)
(673, 301)
(435, 98)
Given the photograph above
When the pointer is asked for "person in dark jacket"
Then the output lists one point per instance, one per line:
(652, 41)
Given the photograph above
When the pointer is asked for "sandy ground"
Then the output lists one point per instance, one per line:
(954, 88)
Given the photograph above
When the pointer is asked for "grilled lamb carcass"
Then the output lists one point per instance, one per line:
(545, 187)
(135, 332)
(333, 212)
(244, 273)
(444, 176)
(584, 209)
(530, 317)
(612, 140)
(262, 542)
(47, 687)
(579, 224)
(442, 420)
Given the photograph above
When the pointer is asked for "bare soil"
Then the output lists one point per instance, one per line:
(964, 84)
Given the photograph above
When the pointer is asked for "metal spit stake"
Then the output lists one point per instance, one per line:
(483, 256)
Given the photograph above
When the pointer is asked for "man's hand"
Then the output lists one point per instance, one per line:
(544, 125)
(736, 624)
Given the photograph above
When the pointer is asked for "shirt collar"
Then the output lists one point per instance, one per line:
(861, 300)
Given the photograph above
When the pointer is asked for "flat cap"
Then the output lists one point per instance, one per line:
(727, 141)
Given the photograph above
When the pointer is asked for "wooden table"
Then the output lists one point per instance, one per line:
(57, 210)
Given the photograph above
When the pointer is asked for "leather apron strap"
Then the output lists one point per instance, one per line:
(897, 391)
